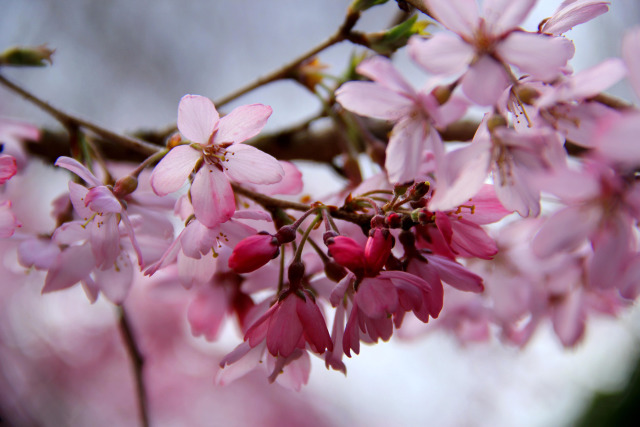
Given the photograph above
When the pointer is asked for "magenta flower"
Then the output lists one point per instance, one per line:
(217, 153)
(253, 252)
(290, 324)
(484, 43)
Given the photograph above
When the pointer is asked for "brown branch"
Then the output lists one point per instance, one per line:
(137, 363)
(272, 204)
(69, 121)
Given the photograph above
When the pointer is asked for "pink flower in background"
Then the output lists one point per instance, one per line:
(217, 151)
(484, 43)
(8, 167)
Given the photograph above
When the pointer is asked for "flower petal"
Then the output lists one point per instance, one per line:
(460, 16)
(174, 169)
(443, 53)
(248, 164)
(197, 118)
(79, 169)
(371, 99)
(485, 81)
(71, 265)
(242, 123)
(541, 56)
(115, 282)
(502, 16)
(212, 197)
(381, 70)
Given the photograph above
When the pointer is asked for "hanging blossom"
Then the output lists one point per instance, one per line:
(92, 250)
(8, 221)
(485, 43)
(416, 115)
(217, 155)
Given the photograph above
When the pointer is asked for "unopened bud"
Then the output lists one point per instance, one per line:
(394, 220)
(286, 234)
(360, 5)
(328, 236)
(309, 73)
(400, 189)
(378, 221)
(296, 273)
(419, 190)
(27, 56)
(387, 42)
(174, 140)
(378, 249)
(334, 271)
(125, 186)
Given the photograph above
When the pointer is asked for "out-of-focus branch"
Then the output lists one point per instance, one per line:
(137, 363)
(72, 122)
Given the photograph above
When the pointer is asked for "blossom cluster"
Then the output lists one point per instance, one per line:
(400, 248)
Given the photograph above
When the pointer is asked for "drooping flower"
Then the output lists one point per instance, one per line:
(415, 113)
(218, 155)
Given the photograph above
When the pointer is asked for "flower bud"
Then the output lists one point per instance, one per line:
(253, 252)
(378, 249)
(295, 273)
(348, 253)
(125, 186)
(387, 42)
(286, 234)
(361, 5)
(334, 271)
(27, 56)
(394, 220)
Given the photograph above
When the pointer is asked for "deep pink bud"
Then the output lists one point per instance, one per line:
(348, 253)
(378, 249)
(8, 167)
(253, 252)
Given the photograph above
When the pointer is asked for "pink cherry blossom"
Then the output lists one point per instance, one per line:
(415, 113)
(217, 151)
(484, 43)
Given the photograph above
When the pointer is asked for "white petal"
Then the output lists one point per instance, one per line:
(242, 123)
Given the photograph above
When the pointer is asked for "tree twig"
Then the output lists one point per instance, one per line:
(137, 363)
(70, 121)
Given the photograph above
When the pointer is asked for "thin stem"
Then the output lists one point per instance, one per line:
(305, 236)
(137, 363)
(70, 121)
(271, 204)
(288, 69)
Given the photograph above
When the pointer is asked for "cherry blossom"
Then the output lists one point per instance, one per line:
(484, 43)
(218, 155)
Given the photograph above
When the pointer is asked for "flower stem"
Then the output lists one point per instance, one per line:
(137, 363)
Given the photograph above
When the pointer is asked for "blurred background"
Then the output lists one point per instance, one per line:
(125, 65)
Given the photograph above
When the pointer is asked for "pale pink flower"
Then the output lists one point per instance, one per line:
(571, 13)
(217, 151)
(484, 43)
(8, 221)
(102, 213)
(415, 113)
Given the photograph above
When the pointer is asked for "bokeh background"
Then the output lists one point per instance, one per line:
(125, 64)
